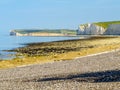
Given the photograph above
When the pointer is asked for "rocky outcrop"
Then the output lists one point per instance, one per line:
(15, 33)
(113, 29)
(12, 33)
(90, 29)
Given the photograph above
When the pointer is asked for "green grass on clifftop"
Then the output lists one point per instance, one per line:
(106, 24)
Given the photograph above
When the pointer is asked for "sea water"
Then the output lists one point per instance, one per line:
(8, 42)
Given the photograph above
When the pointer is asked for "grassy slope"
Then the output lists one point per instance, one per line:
(106, 24)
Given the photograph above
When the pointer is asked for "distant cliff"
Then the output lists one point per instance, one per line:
(45, 32)
(90, 29)
(101, 28)
(113, 29)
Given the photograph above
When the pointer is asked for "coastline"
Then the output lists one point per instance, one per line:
(99, 72)
(54, 32)
(67, 50)
(20, 41)
(76, 58)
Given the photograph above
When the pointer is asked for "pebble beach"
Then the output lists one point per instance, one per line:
(95, 72)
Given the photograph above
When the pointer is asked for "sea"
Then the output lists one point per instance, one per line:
(8, 42)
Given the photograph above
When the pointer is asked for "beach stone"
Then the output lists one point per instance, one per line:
(95, 72)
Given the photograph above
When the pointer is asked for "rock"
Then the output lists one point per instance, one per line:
(113, 29)
(16, 33)
(12, 33)
(90, 29)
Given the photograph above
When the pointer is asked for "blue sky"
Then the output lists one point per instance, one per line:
(52, 14)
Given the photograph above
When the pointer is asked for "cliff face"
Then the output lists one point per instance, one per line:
(12, 33)
(90, 29)
(43, 32)
(93, 29)
(113, 29)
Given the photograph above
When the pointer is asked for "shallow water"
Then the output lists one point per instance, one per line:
(8, 42)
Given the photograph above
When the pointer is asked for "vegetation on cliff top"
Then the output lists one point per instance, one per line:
(103, 24)
(106, 24)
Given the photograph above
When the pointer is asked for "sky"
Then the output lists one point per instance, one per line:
(55, 14)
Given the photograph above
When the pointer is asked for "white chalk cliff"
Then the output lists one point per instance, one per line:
(93, 29)
(90, 29)
(113, 29)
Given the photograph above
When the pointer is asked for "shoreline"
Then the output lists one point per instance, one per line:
(100, 72)
(91, 46)
(20, 42)
(76, 58)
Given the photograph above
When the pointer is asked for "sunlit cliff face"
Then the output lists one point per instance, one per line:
(90, 29)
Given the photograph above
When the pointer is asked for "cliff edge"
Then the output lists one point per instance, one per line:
(100, 28)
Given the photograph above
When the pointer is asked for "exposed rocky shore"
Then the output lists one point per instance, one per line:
(60, 50)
